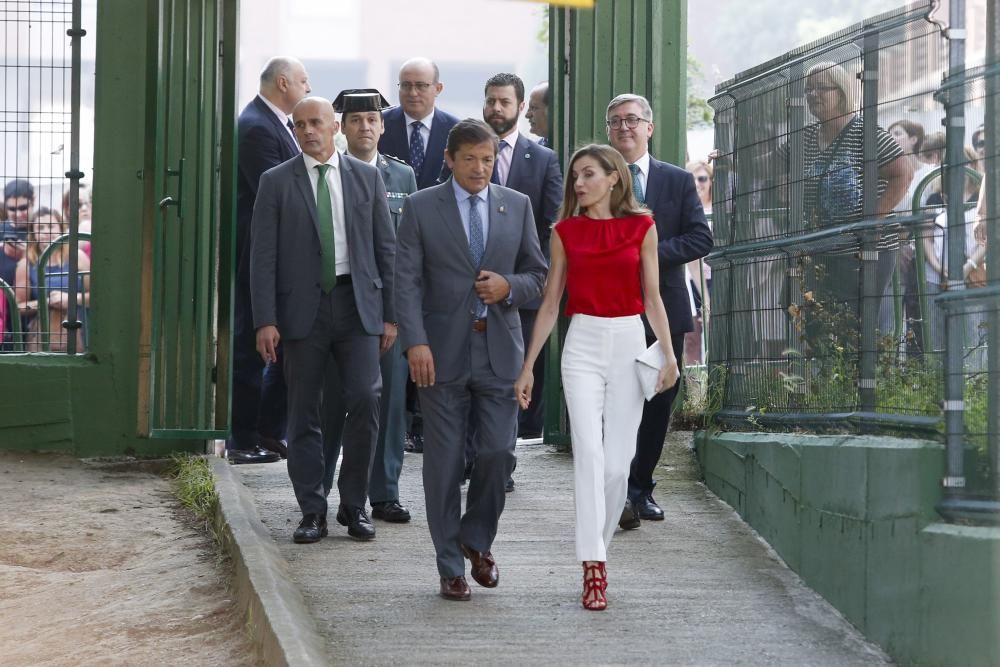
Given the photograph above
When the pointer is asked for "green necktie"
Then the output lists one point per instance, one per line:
(324, 212)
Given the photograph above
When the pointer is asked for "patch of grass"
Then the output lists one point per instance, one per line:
(191, 478)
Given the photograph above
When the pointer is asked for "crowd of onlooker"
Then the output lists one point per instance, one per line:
(35, 266)
(926, 155)
(829, 168)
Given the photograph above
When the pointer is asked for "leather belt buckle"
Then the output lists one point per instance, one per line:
(479, 326)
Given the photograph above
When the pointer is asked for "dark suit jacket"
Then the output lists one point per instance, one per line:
(534, 171)
(286, 263)
(684, 236)
(395, 142)
(262, 143)
(435, 277)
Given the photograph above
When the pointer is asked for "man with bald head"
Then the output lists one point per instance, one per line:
(321, 273)
(266, 139)
(538, 112)
(416, 131)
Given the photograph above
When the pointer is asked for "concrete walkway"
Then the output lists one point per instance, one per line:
(696, 589)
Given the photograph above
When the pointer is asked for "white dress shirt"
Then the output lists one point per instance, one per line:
(425, 127)
(373, 162)
(282, 117)
(341, 256)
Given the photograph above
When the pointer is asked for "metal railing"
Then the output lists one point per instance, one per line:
(40, 85)
(829, 312)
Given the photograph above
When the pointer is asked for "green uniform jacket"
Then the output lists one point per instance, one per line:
(400, 182)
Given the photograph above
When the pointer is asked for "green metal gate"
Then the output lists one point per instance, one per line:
(187, 221)
(619, 46)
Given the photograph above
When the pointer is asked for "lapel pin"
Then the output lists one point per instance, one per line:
(501, 208)
(527, 156)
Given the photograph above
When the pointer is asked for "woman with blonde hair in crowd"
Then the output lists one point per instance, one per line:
(83, 215)
(45, 226)
(604, 255)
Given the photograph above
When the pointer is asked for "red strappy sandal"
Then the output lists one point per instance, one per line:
(595, 583)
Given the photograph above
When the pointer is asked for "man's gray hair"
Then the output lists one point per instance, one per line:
(275, 67)
(647, 111)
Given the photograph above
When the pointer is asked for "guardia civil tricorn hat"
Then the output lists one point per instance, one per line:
(355, 100)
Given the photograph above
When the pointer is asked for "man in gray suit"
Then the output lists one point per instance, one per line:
(322, 249)
(467, 256)
(361, 123)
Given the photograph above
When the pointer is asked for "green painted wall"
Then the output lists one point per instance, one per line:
(620, 46)
(854, 516)
(87, 406)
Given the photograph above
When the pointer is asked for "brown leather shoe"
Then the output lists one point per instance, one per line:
(455, 588)
(484, 568)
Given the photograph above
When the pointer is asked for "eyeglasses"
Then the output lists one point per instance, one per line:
(631, 122)
(701, 179)
(419, 86)
(820, 89)
(19, 207)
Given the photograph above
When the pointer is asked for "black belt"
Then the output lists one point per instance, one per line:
(344, 279)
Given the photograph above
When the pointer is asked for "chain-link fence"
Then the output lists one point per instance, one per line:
(848, 287)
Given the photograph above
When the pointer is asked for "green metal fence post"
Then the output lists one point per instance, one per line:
(992, 194)
(620, 46)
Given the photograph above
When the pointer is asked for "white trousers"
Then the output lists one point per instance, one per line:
(604, 401)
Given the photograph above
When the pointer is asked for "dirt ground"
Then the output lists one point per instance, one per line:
(100, 566)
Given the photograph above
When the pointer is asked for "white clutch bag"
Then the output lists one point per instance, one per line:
(647, 368)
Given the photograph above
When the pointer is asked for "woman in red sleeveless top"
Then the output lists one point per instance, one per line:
(604, 255)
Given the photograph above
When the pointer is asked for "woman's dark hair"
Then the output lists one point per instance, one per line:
(42, 211)
(470, 131)
(912, 129)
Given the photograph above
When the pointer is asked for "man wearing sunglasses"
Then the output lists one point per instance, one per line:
(416, 131)
(684, 236)
(19, 202)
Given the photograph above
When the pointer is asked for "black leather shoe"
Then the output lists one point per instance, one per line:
(509, 485)
(279, 447)
(312, 528)
(391, 511)
(647, 508)
(413, 443)
(630, 518)
(255, 455)
(359, 526)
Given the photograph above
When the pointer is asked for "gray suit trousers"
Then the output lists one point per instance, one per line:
(446, 408)
(383, 484)
(337, 337)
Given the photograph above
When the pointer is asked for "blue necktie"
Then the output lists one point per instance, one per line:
(640, 196)
(477, 245)
(416, 148)
(290, 124)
